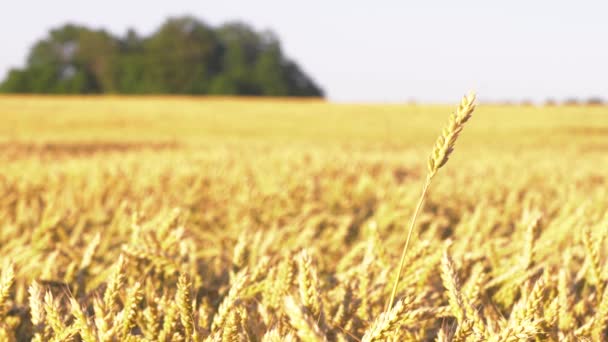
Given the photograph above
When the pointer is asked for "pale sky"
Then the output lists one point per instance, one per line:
(382, 50)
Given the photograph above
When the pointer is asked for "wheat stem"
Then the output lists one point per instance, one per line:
(407, 242)
(444, 146)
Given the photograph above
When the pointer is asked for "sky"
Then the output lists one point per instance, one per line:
(382, 50)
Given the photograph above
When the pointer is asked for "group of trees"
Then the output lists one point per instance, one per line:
(184, 56)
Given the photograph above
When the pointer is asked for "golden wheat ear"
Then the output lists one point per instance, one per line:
(444, 146)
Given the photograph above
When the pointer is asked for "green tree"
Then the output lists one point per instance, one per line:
(62, 63)
(184, 56)
(269, 71)
(97, 52)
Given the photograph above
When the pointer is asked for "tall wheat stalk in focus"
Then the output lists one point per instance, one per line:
(438, 158)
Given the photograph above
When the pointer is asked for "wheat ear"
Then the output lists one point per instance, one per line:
(81, 322)
(303, 323)
(129, 316)
(6, 282)
(184, 303)
(444, 146)
(389, 322)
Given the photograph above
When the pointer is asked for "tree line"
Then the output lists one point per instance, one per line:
(184, 56)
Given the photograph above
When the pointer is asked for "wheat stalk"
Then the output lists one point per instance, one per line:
(388, 322)
(151, 319)
(308, 285)
(444, 146)
(601, 317)
(6, 282)
(534, 300)
(134, 297)
(37, 312)
(171, 316)
(594, 259)
(230, 300)
(184, 303)
(115, 282)
(81, 322)
(51, 309)
(565, 318)
(304, 324)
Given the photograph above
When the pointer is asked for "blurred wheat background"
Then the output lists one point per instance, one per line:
(221, 219)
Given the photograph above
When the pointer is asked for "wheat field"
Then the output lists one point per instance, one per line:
(220, 219)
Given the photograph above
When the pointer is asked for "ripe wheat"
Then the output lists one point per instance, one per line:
(289, 218)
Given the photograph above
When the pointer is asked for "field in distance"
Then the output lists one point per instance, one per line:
(177, 218)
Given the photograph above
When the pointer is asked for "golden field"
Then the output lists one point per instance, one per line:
(219, 219)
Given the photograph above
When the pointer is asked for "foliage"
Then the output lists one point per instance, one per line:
(184, 56)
